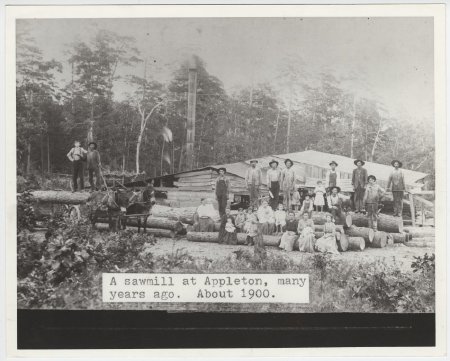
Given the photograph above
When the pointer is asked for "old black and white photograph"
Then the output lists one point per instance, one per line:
(161, 146)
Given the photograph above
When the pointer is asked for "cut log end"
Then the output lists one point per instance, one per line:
(356, 243)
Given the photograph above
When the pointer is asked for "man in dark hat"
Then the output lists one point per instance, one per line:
(372, 197)
(76, 156)
(396, 183)
(359, 182)
(288, 183)
(273, 182)
(253, 178)
(222, 190)
(93, 166)
(332, 176)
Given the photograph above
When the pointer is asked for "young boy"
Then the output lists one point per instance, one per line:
(240, 220)
(252, 231)
(372, 196)
(280, 219)
(307, 206)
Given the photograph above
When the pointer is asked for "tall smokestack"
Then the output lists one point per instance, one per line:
(190, 125)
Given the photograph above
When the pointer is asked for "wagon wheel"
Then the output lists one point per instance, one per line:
(74, 212)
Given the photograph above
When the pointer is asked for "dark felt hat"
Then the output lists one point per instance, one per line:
(372, 177)
(333, 162)
(222, 168)
(95, 144)
(335, 187)
(288, 160)
(400, 164)
(273, 161)
(253, 161)
(359, 160)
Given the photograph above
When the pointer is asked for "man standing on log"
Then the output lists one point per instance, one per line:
(76, 156)
(273, 182)
(93, 166)
(372, 196)
(222, 190)
(332, 176)
(288, 183)
(396, 183)
(253, 178)
(359, 182)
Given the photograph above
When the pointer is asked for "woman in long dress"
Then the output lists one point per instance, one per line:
(307, 238)
(289, 236)
(266, 217)
(327, 243)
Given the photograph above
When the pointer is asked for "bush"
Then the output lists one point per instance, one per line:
(26, 218)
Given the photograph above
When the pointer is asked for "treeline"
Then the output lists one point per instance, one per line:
(147, 130)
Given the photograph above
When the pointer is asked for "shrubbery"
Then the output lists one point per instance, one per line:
(63, 270)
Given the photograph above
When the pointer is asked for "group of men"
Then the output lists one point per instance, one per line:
(78, 156)
(366, 192)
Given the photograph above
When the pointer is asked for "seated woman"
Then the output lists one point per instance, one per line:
(205, 217)
(327, 243)
(290, 235)
(307, 238)
(266, 218)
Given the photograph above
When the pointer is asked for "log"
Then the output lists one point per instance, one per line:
(366, 233)
(61, 197)
(185, 214)
(319, 228)
(318, 218)
(424, 239)
(342, 242)
(163, 233)
(385, 222)
(418, 233)
(399, 237)
(165, 223)
(356, 243)
(419, 243)
(213, 237)
(379, 240)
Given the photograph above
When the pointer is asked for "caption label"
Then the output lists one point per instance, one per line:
(213, 288)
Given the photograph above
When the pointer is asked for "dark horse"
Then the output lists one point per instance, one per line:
(140, 204)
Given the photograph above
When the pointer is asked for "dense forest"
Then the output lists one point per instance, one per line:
(146, 130)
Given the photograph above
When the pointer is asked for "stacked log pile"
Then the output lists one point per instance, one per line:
(420, 236)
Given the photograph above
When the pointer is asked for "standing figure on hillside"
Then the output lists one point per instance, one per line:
(396, 183)
(372, 196)
(273, 182)
(288, 183)
(93, 166)
(253, 178)
(319, 194)
(222, 190)
(332, 176)
(359, 182)
(76, 156)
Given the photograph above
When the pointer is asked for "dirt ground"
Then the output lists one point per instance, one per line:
(399, 254)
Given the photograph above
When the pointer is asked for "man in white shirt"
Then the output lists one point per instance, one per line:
(76, 155)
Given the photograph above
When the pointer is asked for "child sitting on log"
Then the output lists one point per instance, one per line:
(280, 219)
(240, 220)
(252, 231)
(307, 206)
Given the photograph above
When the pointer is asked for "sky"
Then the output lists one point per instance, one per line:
(389, 59)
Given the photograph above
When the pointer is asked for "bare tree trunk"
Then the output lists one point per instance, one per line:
(172, 163)
(90, 135)
(49, 168)
(162, 157)
(377, 137)
(42, 154)
(352, 132)
(288, 135)
(276, 132)
(138, 150)
(28, 168)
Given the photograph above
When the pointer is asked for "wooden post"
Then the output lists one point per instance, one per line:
(190, 125)
(413, 212)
